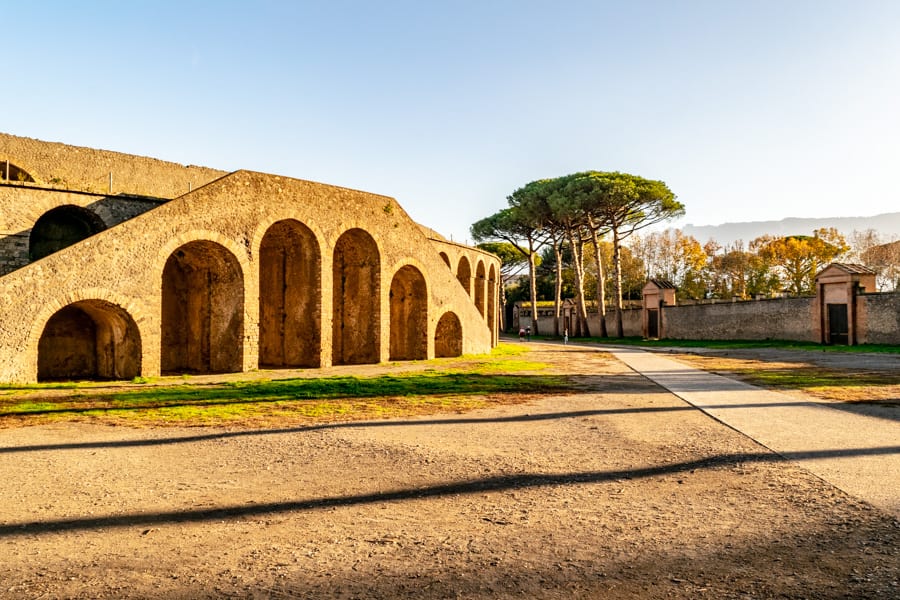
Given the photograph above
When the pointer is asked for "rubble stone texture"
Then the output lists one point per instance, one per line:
(114, 266)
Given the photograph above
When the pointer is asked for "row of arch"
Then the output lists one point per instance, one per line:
(482, 289)
(202, 326)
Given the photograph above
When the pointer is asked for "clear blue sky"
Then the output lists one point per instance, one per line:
(747, 110)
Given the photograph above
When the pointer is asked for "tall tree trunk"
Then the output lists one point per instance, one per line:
(617, 267)
(532, 273)
(601, 280)
(577, 257)
(557, 297)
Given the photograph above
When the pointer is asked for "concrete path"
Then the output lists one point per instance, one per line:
(857, 453)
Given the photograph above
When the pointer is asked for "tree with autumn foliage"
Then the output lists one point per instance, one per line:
(796, 259)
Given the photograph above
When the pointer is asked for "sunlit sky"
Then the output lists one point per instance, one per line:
(748, 110)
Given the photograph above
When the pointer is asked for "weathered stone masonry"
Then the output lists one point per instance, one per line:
(245, 270)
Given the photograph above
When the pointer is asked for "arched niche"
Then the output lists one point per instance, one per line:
(11, 172)
(89, 340)
(61, 227)
(446, 259)
(464, 274)
(202, 310)
(448, 341)
(409, 315)
(290, 324)
(479, 287)
(356, 325)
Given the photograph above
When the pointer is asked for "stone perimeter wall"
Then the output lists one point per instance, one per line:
(775, 319)
(882, 318)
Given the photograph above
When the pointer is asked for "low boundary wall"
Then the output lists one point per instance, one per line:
(774, 319)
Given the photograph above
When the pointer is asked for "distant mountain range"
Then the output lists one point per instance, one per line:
(887, 224)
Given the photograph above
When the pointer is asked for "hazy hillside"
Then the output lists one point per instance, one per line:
(888, 225)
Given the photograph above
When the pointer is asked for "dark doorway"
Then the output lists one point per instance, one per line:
(838, 329)
(653, 323)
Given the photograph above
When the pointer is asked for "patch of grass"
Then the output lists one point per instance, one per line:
(735, 344)
(464, 383)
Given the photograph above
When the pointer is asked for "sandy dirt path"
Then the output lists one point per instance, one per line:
(619, 491)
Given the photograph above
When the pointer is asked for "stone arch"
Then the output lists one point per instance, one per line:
(448, 339)
(290, 324)
(446, 259)
(89, 339)
(11, 172)
(492, 302)
(356, 295)
(202, 310)
(61, 227)
(409, 315)
(479, 288)
(464, 274)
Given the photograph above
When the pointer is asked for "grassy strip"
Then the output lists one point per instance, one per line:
(734, 344)
(466, 383)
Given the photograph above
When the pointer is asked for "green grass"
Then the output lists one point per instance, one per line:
(463, 383)
(733, 344)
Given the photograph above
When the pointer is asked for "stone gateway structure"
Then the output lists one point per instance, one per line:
(114, 266)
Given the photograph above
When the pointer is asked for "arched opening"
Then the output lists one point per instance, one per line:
(202, 310)
(62, 227)
(89, 339)
(479, 287)
(492, 303)
(356, 329)
(409, 315)
(464, 274)
(446, 259)
(10, 172)
(289, 287)
(448, 336)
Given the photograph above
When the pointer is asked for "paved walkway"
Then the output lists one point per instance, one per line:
(857, 453)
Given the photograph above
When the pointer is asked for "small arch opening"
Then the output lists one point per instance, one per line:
(409, 315)
(479, 288)
(11, 172)
(464, 274)
(448, 341)
(61, 227)
(89, 340)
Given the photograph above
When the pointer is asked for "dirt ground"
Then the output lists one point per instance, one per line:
(619, 491)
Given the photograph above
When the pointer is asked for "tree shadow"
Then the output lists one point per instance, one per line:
(468, 487)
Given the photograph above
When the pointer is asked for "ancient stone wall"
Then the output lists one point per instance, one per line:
(781, 319)
(161, 268)
(77, 168)
(880, 318)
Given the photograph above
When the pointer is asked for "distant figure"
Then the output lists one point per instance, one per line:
(565, 337)
(521, 335)
(528, 333)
